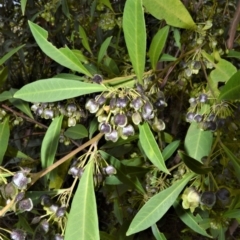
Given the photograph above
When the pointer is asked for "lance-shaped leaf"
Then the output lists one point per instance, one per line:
(56, 89)
(157, 45)
(63, 56)
(23, 6)
(172, 11)
(103, 49)
(170, 149)
(84, 38)
(190, 220)
(193, 164)
(157, 206)
(150, 147)
(231, 90)
(4, 137)
(23, 106)
(197, 142)
(76, 132)
(135, 35)
(50, 142)
(83, 220)
(9, 54)
(157, 234)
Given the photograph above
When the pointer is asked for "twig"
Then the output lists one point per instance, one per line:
(36, 176)
(233, 27)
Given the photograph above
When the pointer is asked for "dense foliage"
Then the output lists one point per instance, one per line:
(119, 119)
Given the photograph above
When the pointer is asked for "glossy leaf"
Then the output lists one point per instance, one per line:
(4, 137)
(76, 132)
(157, 206)
(23, 6)
(9, 54)
(197, 142)
(50, 142)
(63, 56)
(5, 96)
(190, 220)
(84, 38)
(21, 105)
(106, 3)
(55, 89)
(231, 90)
(234, 160)
(170, 149)
(150, 147)
(3, 75)
(93, 127)
(172, 11)
(13, 152)
(234, 213)
(103, 49)
(167, 58)
(69, 76)
(157, 45)
(83, 220)
(158, 235)
(177, 37)
(193, 164)
(135, 35)
(65, 8)
(234, 54)
(223, 69)
(122, 174)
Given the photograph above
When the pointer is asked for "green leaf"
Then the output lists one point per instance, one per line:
(177, 37)
(103, 49)
(170, 149)
(111, 66)
(83, 220)
(84, 38)
(50, 142)
(13, 152)
(9, 54)
(69, 76)
(5, 96)
(198, 143)
(21, 105)
(63, 56)
(157, 45)
(122, 174)
(158, 235)
(106, 3)
(150, 147)
(65, 8)
(234, 213)
(135, 35)
(172, 11)
(193, 164)
(4, 137)
(157, 206)
(76, 132)
(190, 220)
(23, 6)
(55, 89)
(234, 160)
(231, 90)
(223, 69)
(3, 75)
(234, 54)
(167, 58)
(93, 127)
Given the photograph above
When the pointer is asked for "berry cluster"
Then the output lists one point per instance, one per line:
(50, 110)
(210, 114)
(118, 111)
